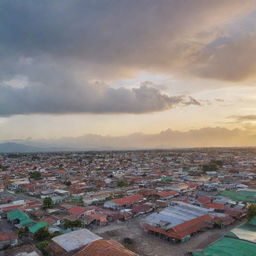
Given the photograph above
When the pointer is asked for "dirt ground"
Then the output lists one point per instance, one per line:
(150, 245)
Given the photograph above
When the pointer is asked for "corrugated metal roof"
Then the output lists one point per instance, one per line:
(75, 239)
(175, 215)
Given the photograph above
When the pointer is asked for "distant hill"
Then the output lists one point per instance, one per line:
(168, 139)
(12, 147)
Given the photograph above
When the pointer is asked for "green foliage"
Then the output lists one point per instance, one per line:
(22, 232)
(210, 167)
(56, 233)
(68, 183)
(3, 168)
(128, 241)
(72, 224)
(218, 223)
(42, 234)
(36, 175)
(109, 198)
(47, 203)
(42, 246)
(251, 211)
(122, 183)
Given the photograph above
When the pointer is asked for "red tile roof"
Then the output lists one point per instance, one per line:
(7, 236)
(215, 206)
(60, 171)
(128, 200)
(168, 193)
(186, 228)
(49, 220)
(105, 248)
(191, 226)
(192, 184)
(99, 217)
(204, 199)
(77, 210)
(9, 208)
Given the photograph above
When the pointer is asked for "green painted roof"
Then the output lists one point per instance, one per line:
(26, 222)
(166, 178)
(33, 229)
(241, 195)
(228, 247)
(17, 214)
(253, 221)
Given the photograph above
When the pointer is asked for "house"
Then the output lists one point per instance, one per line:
(179, 221)
(123, 202)
(18, 217)
(71, 242)
(105, 248)
(78, 211)
(8, 239)
(167, 194)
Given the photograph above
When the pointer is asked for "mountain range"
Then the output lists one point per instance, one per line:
(205, 137)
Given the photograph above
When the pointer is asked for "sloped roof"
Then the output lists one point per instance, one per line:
(215, 206)
(7, 236)
(228, 246)
(167, 193)
(77, 210)
(105, 248)
(75, 239)
(37, 226)
(185, 229)
(175, 215)
(204, 199)
(17, 214)
(127, 200)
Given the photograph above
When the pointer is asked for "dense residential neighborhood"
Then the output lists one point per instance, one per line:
(179, 202)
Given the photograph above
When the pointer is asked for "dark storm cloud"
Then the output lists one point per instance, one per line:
(53, 44)
(85, 98)
(127, 33)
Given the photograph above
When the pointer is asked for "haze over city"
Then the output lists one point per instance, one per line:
(144, 72)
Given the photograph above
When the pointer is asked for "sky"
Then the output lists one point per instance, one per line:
(118, 67)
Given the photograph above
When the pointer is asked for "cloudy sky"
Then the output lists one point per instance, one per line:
(117, 67)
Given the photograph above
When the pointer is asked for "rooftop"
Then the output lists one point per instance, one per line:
(75, 239)
(228, 246)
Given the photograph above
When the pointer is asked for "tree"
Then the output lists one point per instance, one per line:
(72, 224)
(210, 167)
(218, 223)
(41, 234)
(22, 232)
(47, 203)
(251, 211)
(36, 175)
(68, 183)
(122, 183)
(42, 246)
(128, 240)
